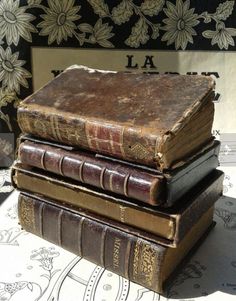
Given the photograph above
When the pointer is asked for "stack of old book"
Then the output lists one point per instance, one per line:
(120, 168)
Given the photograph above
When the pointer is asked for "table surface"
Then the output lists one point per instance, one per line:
(33, 269)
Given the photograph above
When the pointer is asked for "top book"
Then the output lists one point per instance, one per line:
(154, 120)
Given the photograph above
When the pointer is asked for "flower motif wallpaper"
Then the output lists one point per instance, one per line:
(15, 22)
(12, 75)
(58, 22)
(179, 24)
(176, 25)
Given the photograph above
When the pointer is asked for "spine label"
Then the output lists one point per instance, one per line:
(116, 253)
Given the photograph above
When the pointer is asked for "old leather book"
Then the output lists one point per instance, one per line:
(146, 185)
(145, 262)
(169, 223)
(155, 120)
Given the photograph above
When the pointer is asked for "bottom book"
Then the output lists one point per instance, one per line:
(139, 260)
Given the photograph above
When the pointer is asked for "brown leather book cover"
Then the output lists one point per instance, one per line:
(139, 260)
(155, 120)
(169, 223)
(146, 185)
(86, 168)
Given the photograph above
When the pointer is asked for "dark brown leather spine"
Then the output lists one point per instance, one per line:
(86, 168)
(119, 252)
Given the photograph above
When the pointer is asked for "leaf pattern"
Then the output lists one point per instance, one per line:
(6, 119)
(224, 10)
(155, 31)
(122, 12)
(222, 36)
(100, 8)
(139, 34)
(30, 286)
(46, 276)
(85, 27)
(6, 98)
(152, 7)
(101, 34)
(61, 22)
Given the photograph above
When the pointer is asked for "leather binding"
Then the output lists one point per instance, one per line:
(172, 224)
(148, 186)
(86, 168)
(154, 120)
(139, 260)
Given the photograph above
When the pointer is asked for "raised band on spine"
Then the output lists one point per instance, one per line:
(59, 227)
(42, 161)
(60, 165)
(80, 226)
(111, 181)
(126, 185)
(102, 258)
(102, 177)
(81, 171)
(41, 207)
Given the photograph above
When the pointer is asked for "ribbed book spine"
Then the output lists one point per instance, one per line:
(140, 260)
(86, 168)
(127, 255)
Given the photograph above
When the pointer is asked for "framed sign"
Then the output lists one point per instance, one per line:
(39, 38)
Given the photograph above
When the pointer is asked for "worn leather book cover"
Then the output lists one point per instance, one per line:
(144, 184)
(172, 224)
(145, 262)
(155, 120)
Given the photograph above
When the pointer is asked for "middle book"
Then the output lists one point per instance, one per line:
(133, 181)
(169, 224)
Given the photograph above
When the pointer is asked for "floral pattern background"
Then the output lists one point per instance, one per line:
(125, 24)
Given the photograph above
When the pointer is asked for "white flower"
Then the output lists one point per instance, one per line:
(59, 23)
(180, 23)
(221, 36)
(15, 22)
(45, 257)
(12, 75)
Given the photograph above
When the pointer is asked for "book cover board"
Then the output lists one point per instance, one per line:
(139, 260)
(169, 223)
(134, 181)
(155, 120)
